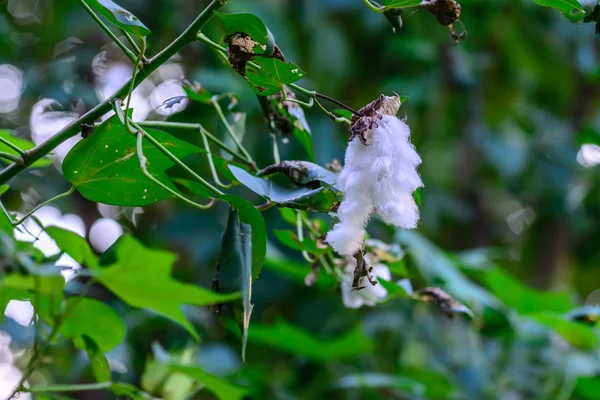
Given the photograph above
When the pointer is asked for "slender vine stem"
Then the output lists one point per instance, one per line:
(12, 145)
(230, 131)
(276, 156)
(73, 128)
(106, 29)
(34, 360)
(70, 388)
(131, 86)
(30, 213)
(332, 115)
(195, 127)
(11, 157)
(300, 234)
(373, 7)
(143, 166)
(211, 163)
(134, 45)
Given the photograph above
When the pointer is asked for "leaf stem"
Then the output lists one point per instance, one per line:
(70, 388)
(11, 157)
(144, 168)
(211, 163)
(53, 334)
(73, 128)
(300, 233)
(134, 45)
(195, 127)
(131, 86)
(276, 156)
(12, 145)
(332, 115)
(20, 221)
(106, 29)
(230, 131)
(339, 103)
(377, 9)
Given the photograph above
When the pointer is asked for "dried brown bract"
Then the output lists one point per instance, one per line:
(240, 50)
(369, 116)
(443, 300)
(447, 12)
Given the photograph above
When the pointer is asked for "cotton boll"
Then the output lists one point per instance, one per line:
(104, 233)
(379, 177)
(370, 295)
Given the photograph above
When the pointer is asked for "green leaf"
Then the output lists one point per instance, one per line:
(249, 24)
(122, 18)
(128, 391)
(320, 199)
(569, 8)
(301, 173)
(273, 74)
(439, 269)
(522, 298)
(98, 361)
(94, 319)
(23, 145)
(142, 278)
(251, 216)
(235, 267)
(74, 245)
(286, 337)
(394, 290)
(575, 333)
(298, 271)
(289, 238)
(400, 3)
(287, 118)
(197, 93)
(217, 386)
(105, 168)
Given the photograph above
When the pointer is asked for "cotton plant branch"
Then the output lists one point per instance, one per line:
(211, 163)
(43, 149)
(230, 131)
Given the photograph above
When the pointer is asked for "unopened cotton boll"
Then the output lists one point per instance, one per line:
(380, 177)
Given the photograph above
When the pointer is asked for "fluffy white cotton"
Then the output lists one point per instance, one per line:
(370, 294)
(380, 177)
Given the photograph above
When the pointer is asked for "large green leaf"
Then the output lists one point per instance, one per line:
(23, 145)
(219, 387)
(120, 17)
(142, 278)
(249, 215)
(95, 320)
(249, 24)
(577, 334)
(320, 199)
(74, 245)
(105, 168)
(235, 268)
(273, 74)
(98, 361)
(523, 299)
(288, 338)
(569, 8)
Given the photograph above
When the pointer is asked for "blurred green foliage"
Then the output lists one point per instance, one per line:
(505, 121)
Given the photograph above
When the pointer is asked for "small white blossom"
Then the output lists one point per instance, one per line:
(370, 294)
(378, 177)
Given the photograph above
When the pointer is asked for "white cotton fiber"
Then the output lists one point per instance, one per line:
(380, 177)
